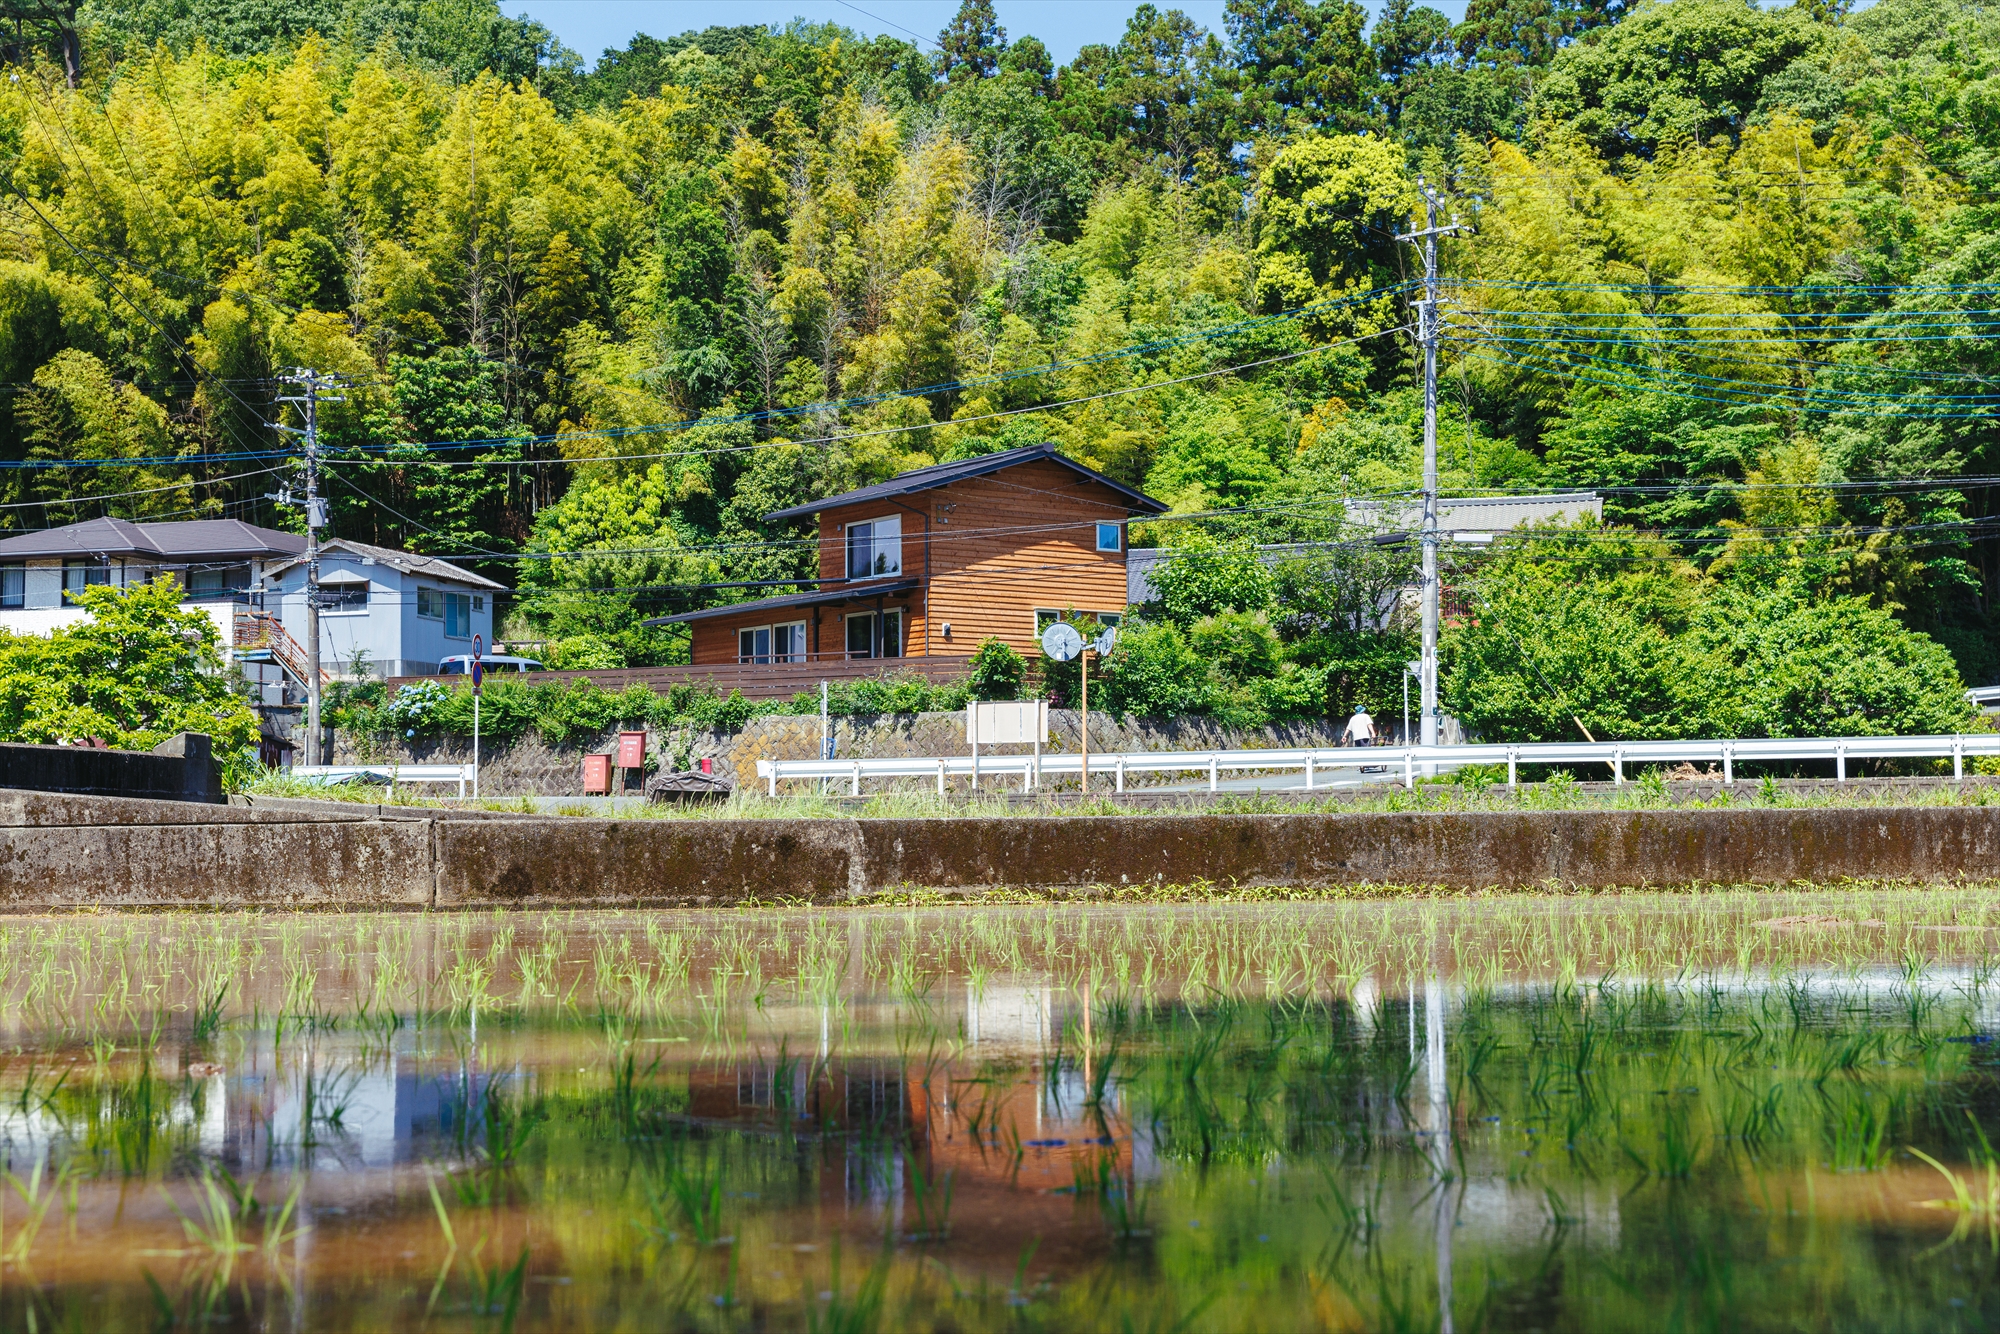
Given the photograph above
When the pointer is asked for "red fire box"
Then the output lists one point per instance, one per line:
(596, 775)
(631, 750)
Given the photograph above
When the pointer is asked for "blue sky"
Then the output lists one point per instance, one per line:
(589, 26)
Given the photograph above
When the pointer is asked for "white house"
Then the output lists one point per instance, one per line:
(399, 614)
(218, 562)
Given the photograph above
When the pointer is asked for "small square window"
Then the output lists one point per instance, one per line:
(478, 602)
(1108, 538)
(430, 603)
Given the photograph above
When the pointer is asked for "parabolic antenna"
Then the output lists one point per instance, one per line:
(1061, 641)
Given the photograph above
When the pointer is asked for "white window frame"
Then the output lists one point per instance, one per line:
(752, 657)
(797, 651)
(1045, 615)
(885, 537)
(1117, 531)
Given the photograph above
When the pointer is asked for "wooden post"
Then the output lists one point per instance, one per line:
(1085, 658)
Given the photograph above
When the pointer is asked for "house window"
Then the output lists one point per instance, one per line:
(754, 645)
(213, 582)
(862, 639)
(861, 635)
(478, 602)
(430, 603)
(875, 549)
(81, 574)
(1108, 537)
(343, 596)
(13, 585)
(1045, 617)
(457, 616)
(788, 642)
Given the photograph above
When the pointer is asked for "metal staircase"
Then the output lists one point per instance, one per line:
(258, 636)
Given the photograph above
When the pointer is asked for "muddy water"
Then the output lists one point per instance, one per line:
(1743, 1111)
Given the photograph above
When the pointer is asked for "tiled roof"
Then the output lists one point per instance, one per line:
(194, 540)
(409, 562)
(845, 593)
(944, 474)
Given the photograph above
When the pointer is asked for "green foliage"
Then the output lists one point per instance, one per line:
(996, 671)
(566, 712)
(564, 297)
(1675, 72)
(1620, 636)
(1204, 577)
(134, 672)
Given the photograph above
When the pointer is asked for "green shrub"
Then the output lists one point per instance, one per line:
(997, 671)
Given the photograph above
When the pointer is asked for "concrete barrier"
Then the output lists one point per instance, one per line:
(60, 852)
(181, 768)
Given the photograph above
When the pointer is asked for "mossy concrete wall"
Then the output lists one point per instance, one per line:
(65, 852)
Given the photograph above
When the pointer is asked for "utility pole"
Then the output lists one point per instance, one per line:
(1428, 329)
(315, 385)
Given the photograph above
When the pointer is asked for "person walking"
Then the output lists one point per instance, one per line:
(1360, 728)
(1360, 731)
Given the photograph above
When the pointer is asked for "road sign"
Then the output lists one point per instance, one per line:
(1061, 641)
(478, 667)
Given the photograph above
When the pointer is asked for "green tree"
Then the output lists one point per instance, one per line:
(134, 672)
(1681, 71)
(1303, 65)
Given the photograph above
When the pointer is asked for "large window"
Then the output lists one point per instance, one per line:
(458, 616)
(865, 639)
(216, 581)
(13, 585)
(875, 549)
(81, 574)
(430, 603)
(772, 643)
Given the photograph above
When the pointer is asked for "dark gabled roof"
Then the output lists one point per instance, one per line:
(194, 540)
(845, 593)
(407, 561)
(944, 474)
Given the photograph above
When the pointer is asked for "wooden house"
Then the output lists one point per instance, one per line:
(934, 560)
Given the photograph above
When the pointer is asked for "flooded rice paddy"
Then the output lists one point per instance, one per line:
(1647, 1112)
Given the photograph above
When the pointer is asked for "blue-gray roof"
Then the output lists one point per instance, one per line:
(944, 474)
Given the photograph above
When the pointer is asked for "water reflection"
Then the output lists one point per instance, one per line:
(1365, 1118)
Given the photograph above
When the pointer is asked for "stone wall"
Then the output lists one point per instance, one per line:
(532, 767)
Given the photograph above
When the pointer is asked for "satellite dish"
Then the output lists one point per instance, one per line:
(1061, 641)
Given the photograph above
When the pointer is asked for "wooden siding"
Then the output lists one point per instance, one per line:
(988, 552)
(715, 638)
(991, 550)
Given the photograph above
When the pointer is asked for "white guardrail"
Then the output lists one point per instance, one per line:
(390, 774)
(1031, 769)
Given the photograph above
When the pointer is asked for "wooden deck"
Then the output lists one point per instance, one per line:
(776, 680)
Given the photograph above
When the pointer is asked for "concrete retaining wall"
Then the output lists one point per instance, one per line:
(58, 852)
